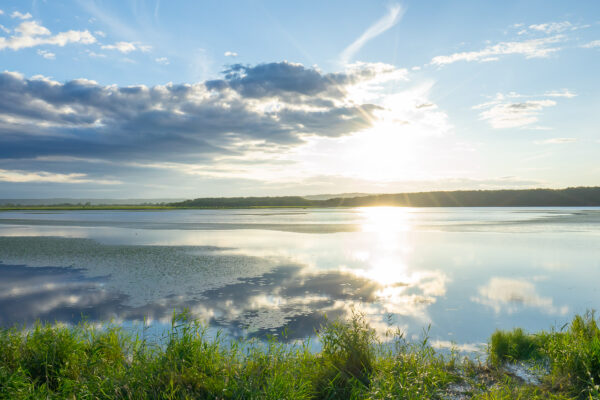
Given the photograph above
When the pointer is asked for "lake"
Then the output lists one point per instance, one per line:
(459, 272)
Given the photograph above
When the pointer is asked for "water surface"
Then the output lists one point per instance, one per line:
(462, 271)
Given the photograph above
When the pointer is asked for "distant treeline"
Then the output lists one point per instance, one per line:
(579, 196)
(67, 202)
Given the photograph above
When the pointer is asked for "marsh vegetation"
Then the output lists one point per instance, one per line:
(90, 361)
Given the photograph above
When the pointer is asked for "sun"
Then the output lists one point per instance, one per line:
(382, 153)
(385, 154)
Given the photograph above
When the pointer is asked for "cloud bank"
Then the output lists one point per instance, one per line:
(266, 105)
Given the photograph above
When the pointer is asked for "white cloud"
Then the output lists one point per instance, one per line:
(552, 27)
(31, 28)
(162, 60)
(556, 140)
(18, 176)
(502, 115)
(385, 23)
(46, 54)
(1, 12)
(564, 93)
(123, 47)
(93, 54)
(231, 54)
(532, 48)
(504, 112)
(100, 33)
(127, 47)
(553, 93)
(5, 29)
(509, 295)
(592, 44)
(19, 15)
(31, 34)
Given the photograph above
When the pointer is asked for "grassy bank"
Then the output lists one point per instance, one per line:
(53, 361)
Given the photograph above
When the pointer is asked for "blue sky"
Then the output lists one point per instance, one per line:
(189, 99)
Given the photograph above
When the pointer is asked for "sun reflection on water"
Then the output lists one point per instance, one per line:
(386, 220)
(385, 259)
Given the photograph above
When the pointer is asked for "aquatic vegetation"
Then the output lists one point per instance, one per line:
(88, 361)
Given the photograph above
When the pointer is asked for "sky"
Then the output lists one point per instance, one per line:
(185, 99)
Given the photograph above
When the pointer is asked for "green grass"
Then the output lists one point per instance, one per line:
(86, 361)
(572, 354)
(514, 345)
(511, 391)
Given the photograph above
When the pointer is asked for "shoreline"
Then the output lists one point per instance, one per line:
(161, 208)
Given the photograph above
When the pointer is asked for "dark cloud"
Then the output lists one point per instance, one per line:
(279, 79)
(81, 118)
(333, 122)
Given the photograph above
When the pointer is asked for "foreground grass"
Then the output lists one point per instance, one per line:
(54, 361)
(571, 355)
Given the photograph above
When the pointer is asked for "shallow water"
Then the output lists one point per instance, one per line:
(462, 271)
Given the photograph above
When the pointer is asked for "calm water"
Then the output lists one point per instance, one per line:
(464, 272)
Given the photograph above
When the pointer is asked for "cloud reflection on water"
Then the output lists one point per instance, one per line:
(510, 295)
(261, 281)
(288, 297)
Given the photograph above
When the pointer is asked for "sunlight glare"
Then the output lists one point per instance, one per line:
(386, 220)
(385, 258)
